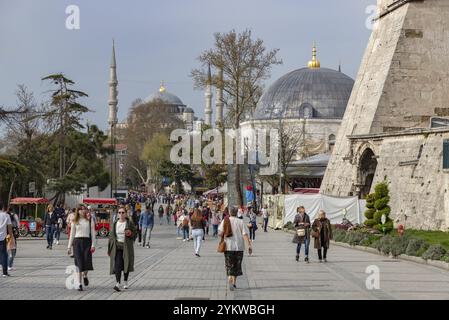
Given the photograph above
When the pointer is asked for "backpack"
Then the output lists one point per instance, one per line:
(185, 222)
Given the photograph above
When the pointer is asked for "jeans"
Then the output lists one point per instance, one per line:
(56, 233)
(146, 234)
(324, 253)
(306, 245)
(197, 239)
(168, 219)
(252, 231)
(12, 255)
(215, 226)
(49, 230)
(185, 233)
(4, 256)
(265, 224)
(178, 231)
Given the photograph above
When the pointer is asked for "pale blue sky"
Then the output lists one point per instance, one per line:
(160, 40)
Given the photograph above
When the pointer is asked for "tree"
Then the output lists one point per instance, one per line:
(244, 63)
(177, 173)
(155, 153)
(144, 121)
(66, 114)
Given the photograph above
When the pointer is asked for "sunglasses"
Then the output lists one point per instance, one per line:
(122, 212)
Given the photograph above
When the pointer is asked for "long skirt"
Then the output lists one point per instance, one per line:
(83, 256)
(233, 263)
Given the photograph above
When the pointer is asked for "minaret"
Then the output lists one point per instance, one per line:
(208, 95)
(113, 117)
(219, 99)
(113, 102)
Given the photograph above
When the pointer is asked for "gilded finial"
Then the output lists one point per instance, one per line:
(314, 63)
(162, 87)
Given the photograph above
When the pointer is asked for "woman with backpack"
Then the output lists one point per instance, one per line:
(184, 220)
(83, 239)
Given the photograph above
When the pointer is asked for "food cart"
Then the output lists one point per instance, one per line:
(30, 225)
(103, 213)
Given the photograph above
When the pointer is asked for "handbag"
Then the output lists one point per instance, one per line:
(222, 245)
(315, 234)
(301, 232)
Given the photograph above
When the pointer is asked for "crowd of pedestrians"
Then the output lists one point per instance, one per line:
(132, 224)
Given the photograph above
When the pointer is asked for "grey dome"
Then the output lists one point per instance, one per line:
(188, 110)
(315, 93)
(167, 97)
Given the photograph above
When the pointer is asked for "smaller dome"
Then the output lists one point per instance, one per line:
(188, 110)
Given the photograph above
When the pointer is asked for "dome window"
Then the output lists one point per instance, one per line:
(306, 111)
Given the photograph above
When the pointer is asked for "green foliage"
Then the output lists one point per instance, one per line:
(381, 203)
(370, 222)
(381, 190)
(399, 245)
(430, 237)
(354, 238)
(384, 244)
(377, 204)
(414, 246)
(289, 226)
(339, 235)
(369, 213)
(177, 173)
(434, 252)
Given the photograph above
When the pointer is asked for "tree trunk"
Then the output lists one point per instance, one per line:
(10, 189)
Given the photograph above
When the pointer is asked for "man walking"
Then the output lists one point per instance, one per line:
(265, 216)
(302, 235)
(146, 223)
(5, 234)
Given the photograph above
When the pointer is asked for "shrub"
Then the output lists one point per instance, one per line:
(354, 238)
(381, 203)
(384, 244)
(399, 245)
(435, 252)
(445, 259)
(339, 235)
(366, 242)
(377, 204)
(369, 213)
(289, 225)
(414, 246)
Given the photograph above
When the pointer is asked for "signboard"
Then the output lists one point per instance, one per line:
(32, 226)
(32, 187)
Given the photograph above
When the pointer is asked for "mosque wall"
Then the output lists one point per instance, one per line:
(412, 164)
(402, 82)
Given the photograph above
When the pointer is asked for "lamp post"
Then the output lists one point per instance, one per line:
(383, 219)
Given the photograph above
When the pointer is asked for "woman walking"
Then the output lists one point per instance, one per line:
(215, 223)
(197, 223)
(234, 232)
(302, 235)
(322, 232)
(121, 248)
(252, 225)
(50, 222)
(82, 237)
(11, 246)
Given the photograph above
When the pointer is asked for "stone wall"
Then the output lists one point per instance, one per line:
(402, 82)
(419, 186)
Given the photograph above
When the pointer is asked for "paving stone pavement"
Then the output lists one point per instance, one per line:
(169, 270)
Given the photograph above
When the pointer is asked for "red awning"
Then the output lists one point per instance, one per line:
(29, 201)
(100, 201)
(307, 190)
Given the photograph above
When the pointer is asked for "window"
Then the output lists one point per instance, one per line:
(306, 111)
(446, 154)
(331, 142)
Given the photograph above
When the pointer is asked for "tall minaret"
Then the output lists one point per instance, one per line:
(219, 99)
(113, 92)
(208, 95)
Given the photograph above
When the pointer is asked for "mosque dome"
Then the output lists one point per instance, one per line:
(165, 96)
(311, 92)
(188, 110)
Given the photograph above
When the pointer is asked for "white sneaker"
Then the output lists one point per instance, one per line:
(125, 286)
(184, 240)
(10, 269)
(57, 242)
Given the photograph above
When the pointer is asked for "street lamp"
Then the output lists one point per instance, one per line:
(383, 219)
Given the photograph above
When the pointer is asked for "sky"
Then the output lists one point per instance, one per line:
(160, 40)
